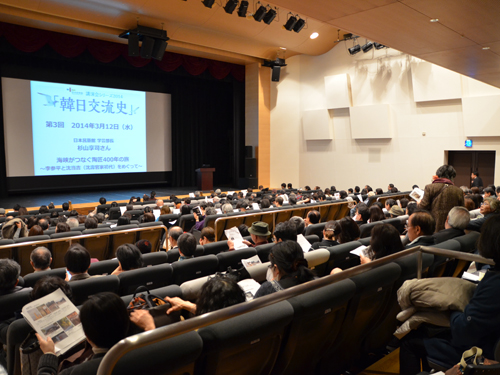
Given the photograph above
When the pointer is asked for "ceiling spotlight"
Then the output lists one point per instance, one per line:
(269, 16)
(314, 35)
(299, 25)
(260, 13)
(230, 6)
(354, 49)
(242, 10)
(208, 3)
(367, 47)
(378, 45)
(290, 23)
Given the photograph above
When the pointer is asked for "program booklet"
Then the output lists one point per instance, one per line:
(56, 317)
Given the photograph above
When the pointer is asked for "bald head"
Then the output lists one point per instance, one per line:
(40, 259)
(174, 233)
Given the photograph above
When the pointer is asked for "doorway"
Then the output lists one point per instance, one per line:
(465, 162)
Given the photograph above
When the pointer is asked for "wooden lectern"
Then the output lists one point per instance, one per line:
(205, 178)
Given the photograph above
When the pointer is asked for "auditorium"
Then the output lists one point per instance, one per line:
(216, 118)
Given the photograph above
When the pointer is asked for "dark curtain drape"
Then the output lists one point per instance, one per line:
(208, 97)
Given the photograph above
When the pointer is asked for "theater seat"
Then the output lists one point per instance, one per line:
(103, 267)
(191, 269)
(215, 247)
(82, 289)
(31, 278)
(245, 344)
(341, 257)
(173, 356)
(318, 316)
(151, 277)
(366, 229)
(152, 259)
(233, 258)
(13, 302)
(316, 229)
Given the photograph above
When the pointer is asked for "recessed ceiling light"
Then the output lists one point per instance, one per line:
(314, 35)
(486, 48)
(435, 20)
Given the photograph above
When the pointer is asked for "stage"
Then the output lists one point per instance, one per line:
(89, 198)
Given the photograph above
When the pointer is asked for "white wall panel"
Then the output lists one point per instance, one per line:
(432, 82)
(481, 116)
(338, 91)
(371, 121)
(316, 125)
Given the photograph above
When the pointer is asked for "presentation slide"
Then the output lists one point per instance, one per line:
(57, 129)
(87, 130)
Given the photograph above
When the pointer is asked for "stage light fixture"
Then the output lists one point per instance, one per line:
(354, 49)
(269, 16)
(299, 25)
(242, 10)
(208, 3)
(367, 47)
(260, 13)
(290, 23)
(230, 6)
(378, 45)
(154, 42)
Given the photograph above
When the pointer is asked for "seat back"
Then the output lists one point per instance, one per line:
(154, 235)
(317, 260)
(316, 229)
(31, 278)
(468, 243)
(233, 258)
(373, 293)
(215, 247)
(13, 302)
(16, 334)
(397, 223)
(366, 229)
(194, 268)
(341, 257)
(174, 356)
(103, 267)
(114, 213)
(65, 234)
(152, 259)
(263, 251)
(82, 289)
(152, 277)
(317, 318)
(245, 344)
(166, 219)
(186, 222)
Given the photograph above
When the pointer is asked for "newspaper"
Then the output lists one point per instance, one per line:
(233, 234)
(123, 209)
(56, 317)
(417, 194)
(250, 262)
(304, 244)
(250, 287)
(157, 214)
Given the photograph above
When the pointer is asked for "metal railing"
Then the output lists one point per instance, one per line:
(163, 333)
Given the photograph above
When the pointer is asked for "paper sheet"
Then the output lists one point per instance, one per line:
(233, 234)
(304, 244)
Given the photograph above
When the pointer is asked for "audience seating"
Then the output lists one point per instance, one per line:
(233, 258)
(316, 229)
(190, 269)
(151, 277)
(82, 289)
(103, 267)
(366, 229)
(215, 247)
(31, 278)
(154, 258)
(258, 335)
(13, 302)
(341, 257)
(58, 250)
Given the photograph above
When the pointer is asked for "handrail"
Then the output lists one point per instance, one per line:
(162, 333)
(80, 236)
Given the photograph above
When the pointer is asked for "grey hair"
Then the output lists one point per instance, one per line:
(227, 208)
(73, 222)
(458, 217)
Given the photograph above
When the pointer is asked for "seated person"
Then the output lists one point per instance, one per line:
(330, 233)
(104, 320)
(40, 259)
(165, 210)
(285, 231)
(200, 221)
(129, 258)
(10, 271)
(217, 293)
(36, 230)
(187, 246)
(349, 230)
(90, 223)
(489, 207)
(259, 231)
(148, 217)
(62, 227)
(396, 211)
(207, 235)
(144, 246)
(172, 237)
(478, 325)
(14, 228)
(457, 220)
(376, 214)
(421, 226)
(313, 217)
(77, 260)
(385, 240)
(288, 268)
(123, 220)
(300, 225)
(362, 214)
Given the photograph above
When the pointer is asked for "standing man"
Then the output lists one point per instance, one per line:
(476, 180)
